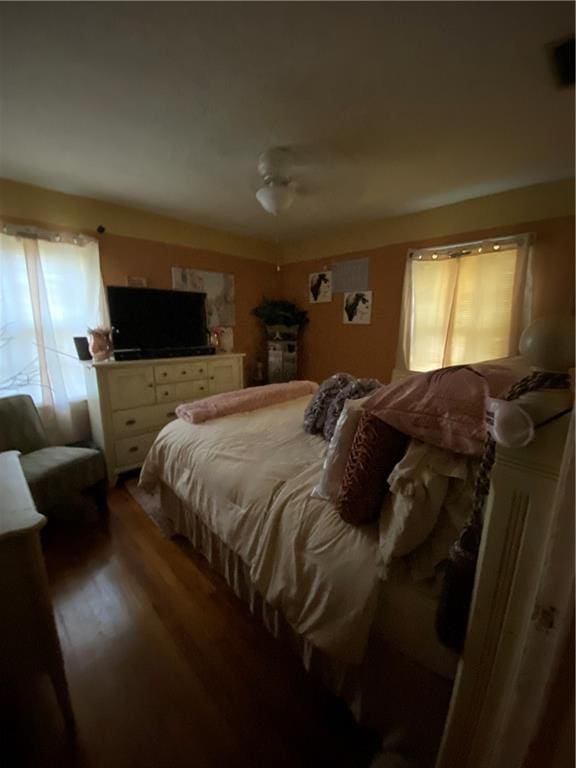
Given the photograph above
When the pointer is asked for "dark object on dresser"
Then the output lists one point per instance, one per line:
(152, 323)
(82, 349)
(55, 473)
(163, 353)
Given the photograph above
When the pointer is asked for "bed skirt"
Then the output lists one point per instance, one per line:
(339, 678)
(375, 691)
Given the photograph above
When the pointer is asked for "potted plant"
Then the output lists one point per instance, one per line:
(282, 319)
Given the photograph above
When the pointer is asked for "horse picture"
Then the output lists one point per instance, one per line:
(320, 287)
(357, 308)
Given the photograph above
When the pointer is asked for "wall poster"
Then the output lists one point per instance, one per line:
(357, 309)
(219, 288)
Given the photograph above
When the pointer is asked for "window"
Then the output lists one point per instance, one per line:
(464, 303)
(50, 291)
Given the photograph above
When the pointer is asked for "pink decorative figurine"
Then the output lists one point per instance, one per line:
(100, 343)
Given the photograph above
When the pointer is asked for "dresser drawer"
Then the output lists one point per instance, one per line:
(132, 450)
(135, 420)
(130, 387)
(224, 375)
(184, 390)
(173, 372)
(166, 413)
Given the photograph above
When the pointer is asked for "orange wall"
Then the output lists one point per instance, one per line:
(122, 256)
(370, 350)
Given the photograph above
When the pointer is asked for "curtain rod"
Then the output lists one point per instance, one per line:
(41, 233)
(454, 250)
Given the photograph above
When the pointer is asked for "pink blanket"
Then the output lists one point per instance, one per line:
(243, 400)
(445, 408)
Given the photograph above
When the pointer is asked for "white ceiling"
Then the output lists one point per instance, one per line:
(395, 107)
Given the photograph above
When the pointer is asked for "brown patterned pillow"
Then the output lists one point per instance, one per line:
(376, 449)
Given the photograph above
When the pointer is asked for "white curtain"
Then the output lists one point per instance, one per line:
(464, 304)
(50, 291)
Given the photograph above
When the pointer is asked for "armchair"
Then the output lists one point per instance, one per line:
(55, 474)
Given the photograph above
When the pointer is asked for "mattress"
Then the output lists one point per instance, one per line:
(249, 478)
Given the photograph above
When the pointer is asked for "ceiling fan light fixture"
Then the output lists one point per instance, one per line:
(276, 195)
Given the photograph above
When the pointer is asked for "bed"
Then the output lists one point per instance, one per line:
(239, 488)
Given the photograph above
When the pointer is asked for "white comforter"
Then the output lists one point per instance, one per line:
(249, 478)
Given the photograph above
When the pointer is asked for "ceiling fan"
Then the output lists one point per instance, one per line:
(318, 170)
(278, 190)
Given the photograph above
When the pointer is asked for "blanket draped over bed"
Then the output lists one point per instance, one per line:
(249, 478)
(243, 400)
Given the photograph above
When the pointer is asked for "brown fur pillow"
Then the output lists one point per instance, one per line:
(376, 449)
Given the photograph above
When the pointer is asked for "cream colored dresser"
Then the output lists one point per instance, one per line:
(129, 402)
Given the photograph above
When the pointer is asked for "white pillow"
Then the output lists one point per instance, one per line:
(338, 450)
(431, 496)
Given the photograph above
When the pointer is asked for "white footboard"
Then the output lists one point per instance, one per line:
(518, 518)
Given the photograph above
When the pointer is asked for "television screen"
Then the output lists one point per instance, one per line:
(150, 319)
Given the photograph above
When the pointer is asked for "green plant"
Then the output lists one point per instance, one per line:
(280, 312)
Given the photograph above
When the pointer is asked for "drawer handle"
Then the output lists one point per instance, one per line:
(201, 389)
(171, 413)
(164, 374)
(133, 449)
(183, 373)
(130, 422)
(166, 393)
(211, 378)
(200, 370)
(150, 385)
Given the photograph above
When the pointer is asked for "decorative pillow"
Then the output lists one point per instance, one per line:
(424, 560)
(431, 495)
(352, 391)
(376, 449)
(445, 408)
(317, 408)
(338, 450)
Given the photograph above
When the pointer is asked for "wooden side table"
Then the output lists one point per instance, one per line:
(29, 643)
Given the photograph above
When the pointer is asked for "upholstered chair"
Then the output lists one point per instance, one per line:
(55, 473)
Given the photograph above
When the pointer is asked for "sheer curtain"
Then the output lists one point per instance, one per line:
(50, 291)
(464, 304)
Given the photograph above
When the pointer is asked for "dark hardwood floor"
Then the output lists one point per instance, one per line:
(166, 667)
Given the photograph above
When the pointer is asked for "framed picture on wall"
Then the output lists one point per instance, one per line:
(357, 308)
(320, 287)
(219, 288)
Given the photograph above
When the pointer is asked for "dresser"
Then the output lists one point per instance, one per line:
(130, 401)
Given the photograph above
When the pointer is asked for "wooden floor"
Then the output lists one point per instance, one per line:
(166, 667)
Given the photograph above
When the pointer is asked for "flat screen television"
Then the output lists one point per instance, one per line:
(149, 322)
